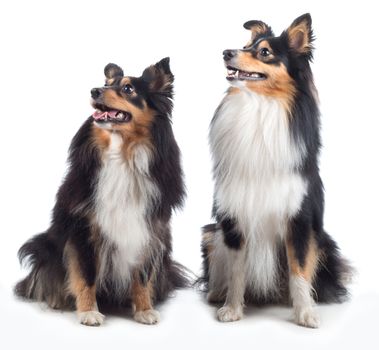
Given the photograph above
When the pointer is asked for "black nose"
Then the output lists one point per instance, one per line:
(229, 54)
(95, 92)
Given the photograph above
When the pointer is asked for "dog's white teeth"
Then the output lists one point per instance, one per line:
(237, 74)
(119, 115)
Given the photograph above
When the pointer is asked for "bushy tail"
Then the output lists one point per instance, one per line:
(45, 282)
(179, 276)
(334, 273)
(173, 276)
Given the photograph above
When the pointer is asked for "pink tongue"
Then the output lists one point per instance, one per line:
(100, 115)
(112, 114)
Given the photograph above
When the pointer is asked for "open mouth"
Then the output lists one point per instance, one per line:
(237, 74)
(103, 114)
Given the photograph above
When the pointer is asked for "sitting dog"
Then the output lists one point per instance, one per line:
(268, 242)
(110, 240)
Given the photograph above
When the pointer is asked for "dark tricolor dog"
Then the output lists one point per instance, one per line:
(269, 243)
(110, 239)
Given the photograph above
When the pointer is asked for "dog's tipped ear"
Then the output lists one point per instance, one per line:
(112, 70)
(258, 28)
(159, 77)
(300, 35)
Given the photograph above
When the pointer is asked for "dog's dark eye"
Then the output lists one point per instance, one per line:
(128, 89)
(264, 52)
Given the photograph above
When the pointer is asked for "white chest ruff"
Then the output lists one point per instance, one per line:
(256, 182)
(122, 197)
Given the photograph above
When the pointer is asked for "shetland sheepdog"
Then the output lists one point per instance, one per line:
(268, 244)
(109, 242)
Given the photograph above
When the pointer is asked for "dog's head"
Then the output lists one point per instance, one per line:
(127, 103)
(271, 65)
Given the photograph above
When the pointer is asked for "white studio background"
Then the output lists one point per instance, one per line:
(53, 53)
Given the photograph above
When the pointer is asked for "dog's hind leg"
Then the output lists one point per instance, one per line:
(214, 254)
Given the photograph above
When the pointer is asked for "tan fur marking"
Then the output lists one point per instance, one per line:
(85, 295)
(109, 81)
(255, 31)
(137, 130)
(299, 38)
(141, 295)
(233, 90)
(311, 261)
(101, 137)
(264, 43)
(258, 29)
(112, 100)
(161, 81)
(278, 83)
(248, 44)
(124, 81)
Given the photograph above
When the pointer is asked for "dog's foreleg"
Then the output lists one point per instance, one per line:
(302, 255)
(142, 292)
(83, 290)
(236, 260)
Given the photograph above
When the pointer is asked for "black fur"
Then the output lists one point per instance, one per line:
(233, 238)
(71, 226)
(112, 71)
(304, 126)
(165, 169)
(259, 30)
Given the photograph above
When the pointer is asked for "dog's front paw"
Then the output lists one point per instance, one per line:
(147, 316)
(229, 314)
(307, 317)
(91, 318)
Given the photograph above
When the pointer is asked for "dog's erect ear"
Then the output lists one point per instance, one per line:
(159, 80)
(258, 29)
(159, 77)
(300, 35)
(112, 70)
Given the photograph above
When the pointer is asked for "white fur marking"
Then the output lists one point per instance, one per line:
(256, 179)
(233, 307)
(91, 318)
(147, 316)
(106, 126)
(303, 303)
(229, 313)
(124, 191)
